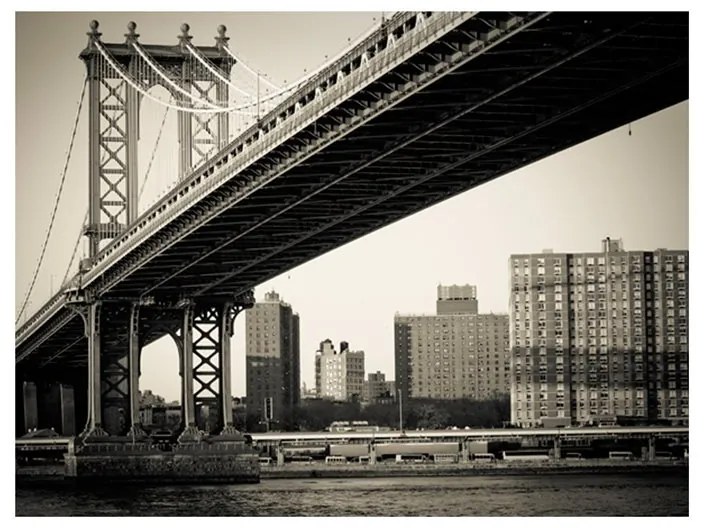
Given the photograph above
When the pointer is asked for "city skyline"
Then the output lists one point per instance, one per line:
(637, 182)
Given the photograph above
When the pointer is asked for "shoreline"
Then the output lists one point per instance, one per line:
(54, 472)
(468, 469)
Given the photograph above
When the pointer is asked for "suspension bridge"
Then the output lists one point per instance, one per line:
(421, 108)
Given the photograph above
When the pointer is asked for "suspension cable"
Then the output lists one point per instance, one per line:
(213, 70)
(250, 70)
(141, 191)
(151, 160)
(128, 79)
(56, 202)
(75, 251)
(155, 68)
(281, 91)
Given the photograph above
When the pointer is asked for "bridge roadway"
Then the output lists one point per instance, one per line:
(426, 107)
(61, 443)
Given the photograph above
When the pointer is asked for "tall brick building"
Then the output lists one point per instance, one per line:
(455, 354)
(273, 357)
(596, 336)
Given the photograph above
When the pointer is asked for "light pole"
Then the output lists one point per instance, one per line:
(400, 411)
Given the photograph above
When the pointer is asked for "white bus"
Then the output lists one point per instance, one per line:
(620, 455)
(484, 457)
(525, 455)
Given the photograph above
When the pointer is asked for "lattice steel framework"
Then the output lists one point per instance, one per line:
(114, 120)
(207, 370)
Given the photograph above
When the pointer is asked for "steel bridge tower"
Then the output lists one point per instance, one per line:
(114, 106)
(119, 76)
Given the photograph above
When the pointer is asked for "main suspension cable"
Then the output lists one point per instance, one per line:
(155, 68)
(56, 202)
(127, 78)
(195, 53)
(75, 251)
(250, 70)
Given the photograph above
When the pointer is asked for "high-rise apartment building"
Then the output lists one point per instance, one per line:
(457, 353)
(596, 336)
(273, 360)
(339, 375)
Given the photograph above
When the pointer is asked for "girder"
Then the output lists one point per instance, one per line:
(440, 123)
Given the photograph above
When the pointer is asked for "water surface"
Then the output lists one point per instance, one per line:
(543, 495)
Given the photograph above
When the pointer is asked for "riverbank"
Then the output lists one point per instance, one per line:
(321, 470)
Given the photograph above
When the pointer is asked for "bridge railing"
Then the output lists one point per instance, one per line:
(240, 156)
(45, 312)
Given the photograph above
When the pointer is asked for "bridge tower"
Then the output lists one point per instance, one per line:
(119, 77)
(115, 96)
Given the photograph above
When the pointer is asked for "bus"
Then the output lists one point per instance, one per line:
(335, 460)
(620, 455)
(525, 455)
(484, 457)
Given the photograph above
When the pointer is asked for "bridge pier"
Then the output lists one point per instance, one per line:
(206, 331)
(114, 443)
(45, 404)
(205, 328)
(26, 408)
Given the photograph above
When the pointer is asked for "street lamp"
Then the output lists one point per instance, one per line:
(400, 411)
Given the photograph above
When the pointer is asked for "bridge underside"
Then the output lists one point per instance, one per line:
(565, 79)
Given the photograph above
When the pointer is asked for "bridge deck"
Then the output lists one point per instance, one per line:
(489, 95)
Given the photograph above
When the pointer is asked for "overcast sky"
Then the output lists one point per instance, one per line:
(631, 187)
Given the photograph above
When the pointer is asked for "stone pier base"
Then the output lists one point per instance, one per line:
(201, 463)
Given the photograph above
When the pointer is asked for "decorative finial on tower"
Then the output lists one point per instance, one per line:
(221, 39)
(93, 34)
(184, 36)
(131, 35)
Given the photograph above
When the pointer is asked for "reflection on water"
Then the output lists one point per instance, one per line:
(573, 495)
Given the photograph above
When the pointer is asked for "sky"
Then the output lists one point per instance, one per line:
(633, 187)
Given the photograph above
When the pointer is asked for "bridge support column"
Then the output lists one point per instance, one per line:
(227, 322)
(190, 432)
(26, 412)
(55, 408)
(136, 431)
(94, 428)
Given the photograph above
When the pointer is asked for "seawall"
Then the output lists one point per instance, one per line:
(321, 470)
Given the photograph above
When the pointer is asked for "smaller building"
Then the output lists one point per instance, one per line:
(339, 375)
(378, 390)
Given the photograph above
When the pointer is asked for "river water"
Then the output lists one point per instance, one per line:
(544, 495)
